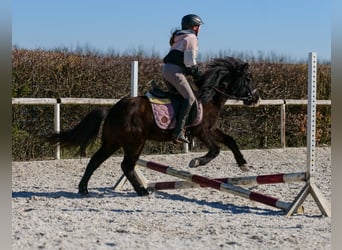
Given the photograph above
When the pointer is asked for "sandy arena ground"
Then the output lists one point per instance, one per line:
(48, 213)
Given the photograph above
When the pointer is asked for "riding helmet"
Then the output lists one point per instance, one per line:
(190, 21)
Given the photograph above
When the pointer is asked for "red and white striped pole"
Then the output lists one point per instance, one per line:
(249, 180)
(219, 185)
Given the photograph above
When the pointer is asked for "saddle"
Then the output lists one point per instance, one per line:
(165, 106)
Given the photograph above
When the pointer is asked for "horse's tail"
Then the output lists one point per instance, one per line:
(84, 133)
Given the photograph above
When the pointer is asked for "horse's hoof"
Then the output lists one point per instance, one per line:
(83, 191)
(142, 192)
(244, 167)
(151, 190)
(194, 163)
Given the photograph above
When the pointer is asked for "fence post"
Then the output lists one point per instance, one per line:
(186, 147)
(282, 125)
(134, 78)
(57, 126)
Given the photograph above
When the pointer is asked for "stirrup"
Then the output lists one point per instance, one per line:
(178, 138)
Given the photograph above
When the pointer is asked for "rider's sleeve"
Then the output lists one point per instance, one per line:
(190, 50)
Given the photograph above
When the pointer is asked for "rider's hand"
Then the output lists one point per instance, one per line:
(194, 71)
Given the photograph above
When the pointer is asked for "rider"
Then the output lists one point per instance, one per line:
(179, 62)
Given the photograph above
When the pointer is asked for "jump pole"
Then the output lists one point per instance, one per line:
(248, 180)
(310, 186)
(219, 185)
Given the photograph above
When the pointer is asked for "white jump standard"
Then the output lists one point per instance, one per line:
(310, 186)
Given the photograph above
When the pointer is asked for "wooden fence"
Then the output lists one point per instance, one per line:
(94, 101)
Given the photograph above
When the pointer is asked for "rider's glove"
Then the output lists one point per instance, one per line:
(194, 71)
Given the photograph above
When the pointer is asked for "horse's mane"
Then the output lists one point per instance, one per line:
(216, 71)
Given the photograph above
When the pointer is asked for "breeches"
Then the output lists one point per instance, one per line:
(174, 78)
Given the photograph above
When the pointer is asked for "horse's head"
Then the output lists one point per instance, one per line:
(240, 85)
(230, 78)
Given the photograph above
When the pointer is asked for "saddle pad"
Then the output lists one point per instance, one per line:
(164, 115)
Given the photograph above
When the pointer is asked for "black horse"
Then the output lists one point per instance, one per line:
(129, 123)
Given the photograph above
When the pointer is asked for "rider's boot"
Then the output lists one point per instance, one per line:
(178, 134)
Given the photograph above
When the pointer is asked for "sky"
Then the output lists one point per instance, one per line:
(290, 28)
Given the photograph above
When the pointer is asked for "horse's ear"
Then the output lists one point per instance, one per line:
(242, 68)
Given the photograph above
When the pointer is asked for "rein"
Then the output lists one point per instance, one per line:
(246, 98)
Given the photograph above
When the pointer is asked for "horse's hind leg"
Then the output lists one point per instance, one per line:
(96, 160)
(131, 156)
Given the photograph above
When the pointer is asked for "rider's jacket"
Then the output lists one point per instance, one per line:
(184, 50)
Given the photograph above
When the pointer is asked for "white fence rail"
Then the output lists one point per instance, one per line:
(95, 101)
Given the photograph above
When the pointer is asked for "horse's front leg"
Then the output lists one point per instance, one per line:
(227, 140)
(214, 151)
(127, 167)
(132, 153)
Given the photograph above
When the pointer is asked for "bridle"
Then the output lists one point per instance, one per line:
(248, 98)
